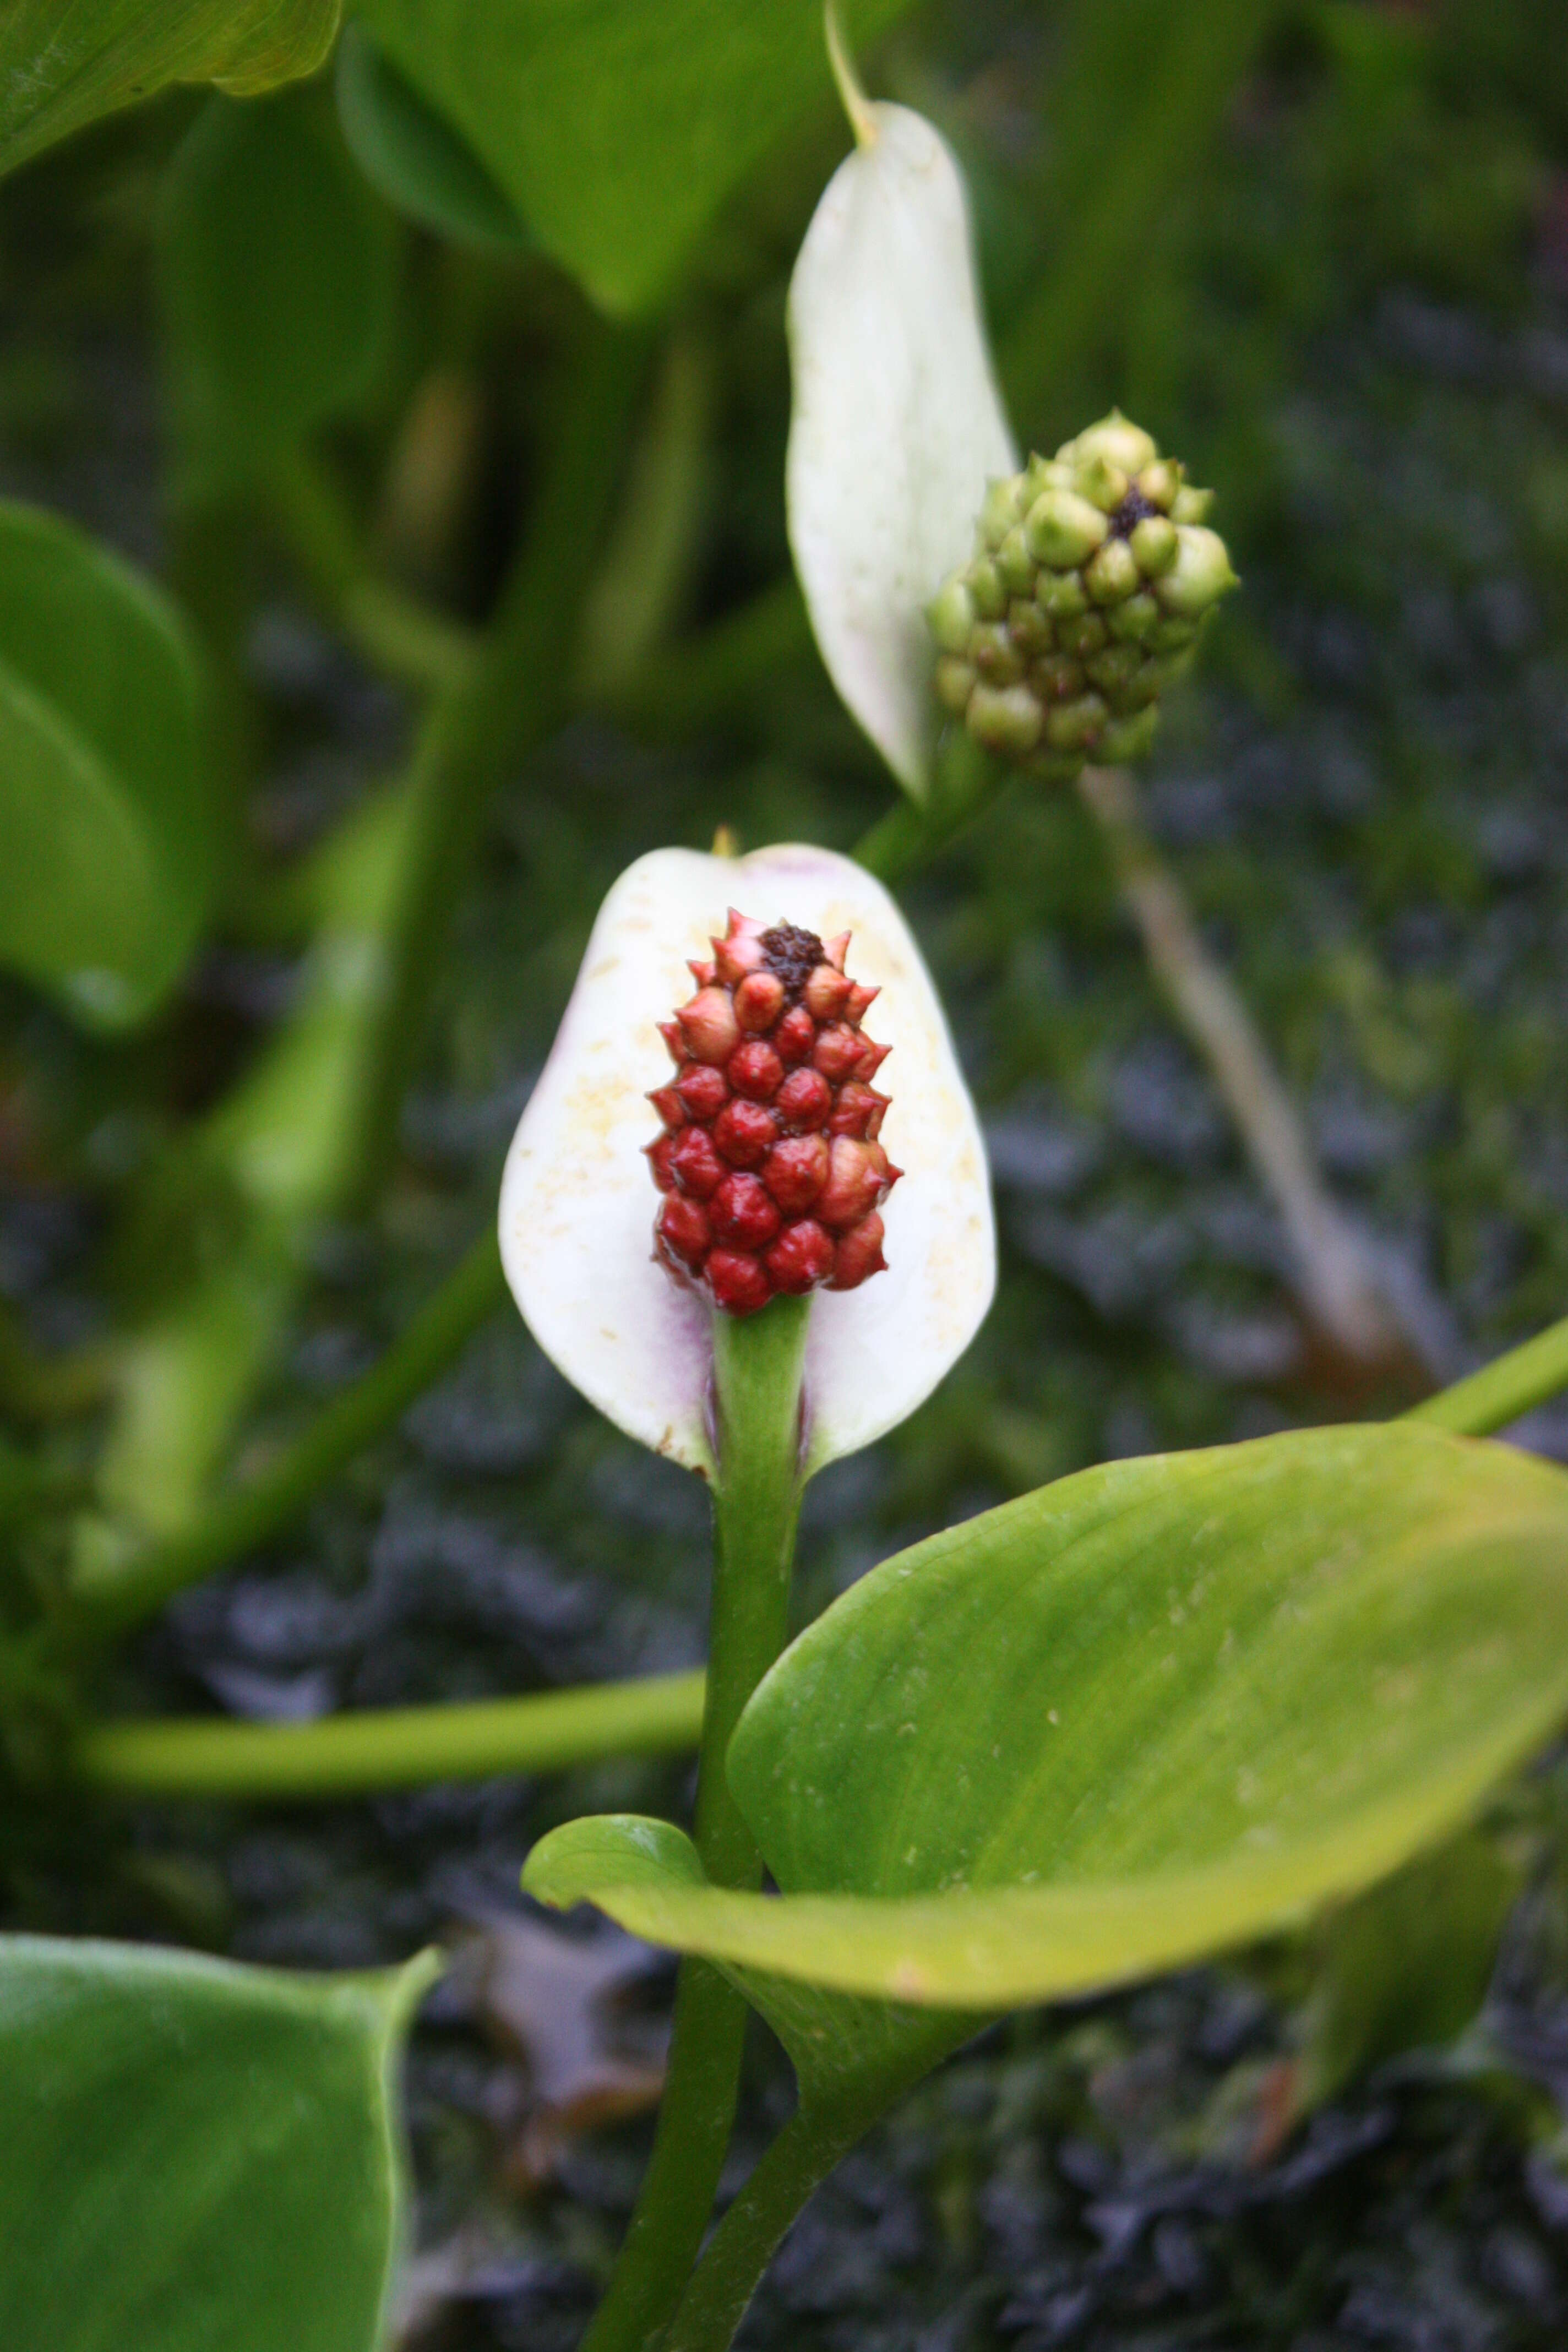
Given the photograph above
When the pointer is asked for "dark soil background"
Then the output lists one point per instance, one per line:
(1349, 312)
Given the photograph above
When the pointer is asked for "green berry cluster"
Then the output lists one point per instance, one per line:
(1091, 579)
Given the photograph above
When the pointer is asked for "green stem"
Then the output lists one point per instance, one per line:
(394, 1747)
(1501, 1390)
(748, 2237)
(512, 695)
(757, 1383)
(394, 631)
(238, 1522)
(965, 783)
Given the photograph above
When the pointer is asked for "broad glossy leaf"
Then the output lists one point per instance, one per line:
(105, 835)
(277, 275)
(1161, 1708)
(412, 154)
(896, 427)
(63, 66)
(578, 108)
(577, 1205)
(195, 2155)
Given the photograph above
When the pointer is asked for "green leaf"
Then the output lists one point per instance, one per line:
(194, 2154)
(1161, 1708)
(412, 154)
(62, 66)
(277, 270)
(105, 832)
(578, 105)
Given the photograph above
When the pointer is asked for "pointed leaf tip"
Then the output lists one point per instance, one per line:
(897, 424)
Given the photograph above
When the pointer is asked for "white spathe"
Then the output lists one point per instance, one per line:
(577, 1201)
(897, 424)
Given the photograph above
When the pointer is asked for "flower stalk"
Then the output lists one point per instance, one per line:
(758, 1362)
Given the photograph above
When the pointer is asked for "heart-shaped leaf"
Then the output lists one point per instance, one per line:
(63, 67)
(412, 154)
(577, 107)
(194, 2154)
(277, 273)
(1161, 1708)
(105, 831)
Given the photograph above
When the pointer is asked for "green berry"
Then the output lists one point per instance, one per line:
(1093, 580)
(1112, 573)
(986, 587)
(1200, 575)
(1075, 726)
(1029, 628)
(1102, 483)
(1015, 563)
(1000, 509)
(1058, 677)
(951, 615)
(1062, 528)
(1083, 637)
(1134, 619)
(1005, 719)
(1062, 595)
(1153, 544)
(1160, 483)
(1129, 738)
(993, 654)
(1114, 669)
(1118, 442)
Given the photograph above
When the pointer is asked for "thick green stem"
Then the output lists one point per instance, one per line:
(757, 1383)
(513, 694)
(238, 1522)
(964, 783)
(1500, 1392)
(395, 632)
(746, 2240)
(394, 1747)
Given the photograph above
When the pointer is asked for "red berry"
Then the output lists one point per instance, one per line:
(769, 1164)
(825, 993)
(804, 1101)
(856, 1179)
(802, 1257)
(741, 1212)
(797, 1171)
(683, 1229)
(857, 1111)
(794, 1037)
(694, 1163)
(738, 1282)
(758, 1000)
(744, 1131)
(709, 1025)
(858, 1253)
(755, 1070)
(702, 1091)
(837, 1053)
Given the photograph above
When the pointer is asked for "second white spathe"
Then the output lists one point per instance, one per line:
(578, 1202)
(897, 424)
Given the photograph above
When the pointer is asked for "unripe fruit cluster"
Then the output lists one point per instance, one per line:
(1091, 579)
(769, 1163)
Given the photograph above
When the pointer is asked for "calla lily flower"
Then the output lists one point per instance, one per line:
(577, 1206)
(897, 426)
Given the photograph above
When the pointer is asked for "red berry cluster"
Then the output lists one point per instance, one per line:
(769, 1163)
